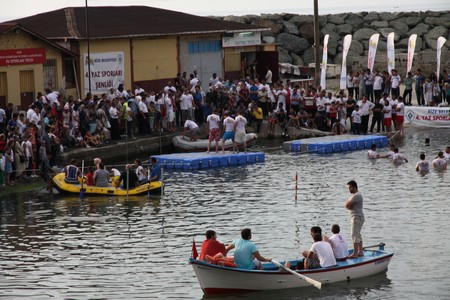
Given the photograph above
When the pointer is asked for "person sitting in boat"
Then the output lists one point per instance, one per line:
(193, 130)
(128, 178)
(155, 173)
(338, 243)
(72, 172)
(320, 255)
(114, 176)
(246, 255)
(101, 176)
(90, 177)
(140, 171)
(211, 246)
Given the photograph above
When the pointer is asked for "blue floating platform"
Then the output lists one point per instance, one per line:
(335, 143)
(203, 160)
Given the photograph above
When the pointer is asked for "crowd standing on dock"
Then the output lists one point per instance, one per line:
(55, 124)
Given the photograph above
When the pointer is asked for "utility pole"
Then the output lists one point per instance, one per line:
(88, 46)
(317, 57)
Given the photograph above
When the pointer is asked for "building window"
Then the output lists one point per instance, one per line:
(50, 74)
(204, 46)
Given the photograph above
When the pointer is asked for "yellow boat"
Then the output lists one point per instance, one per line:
(74, 189)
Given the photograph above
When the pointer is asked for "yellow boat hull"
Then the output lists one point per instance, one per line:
(75, 189)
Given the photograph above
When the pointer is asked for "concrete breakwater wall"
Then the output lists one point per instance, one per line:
(295, 36)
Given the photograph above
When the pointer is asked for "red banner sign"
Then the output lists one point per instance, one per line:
(28, 56)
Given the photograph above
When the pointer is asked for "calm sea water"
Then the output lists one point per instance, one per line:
(64, 247)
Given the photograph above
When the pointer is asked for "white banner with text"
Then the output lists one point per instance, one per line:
(428, 116)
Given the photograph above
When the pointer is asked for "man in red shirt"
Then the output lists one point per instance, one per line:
(211, 246)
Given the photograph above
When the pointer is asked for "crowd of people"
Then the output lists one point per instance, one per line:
(33, 139)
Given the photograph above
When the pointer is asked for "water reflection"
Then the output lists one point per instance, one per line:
(116, 248)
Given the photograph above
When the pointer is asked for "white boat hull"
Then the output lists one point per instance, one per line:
(214, 279)
(184, 144)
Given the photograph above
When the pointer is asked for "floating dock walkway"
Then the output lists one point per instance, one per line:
(335, 143)
(204, 160)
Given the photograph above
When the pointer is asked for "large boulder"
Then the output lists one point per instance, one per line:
(382, 46)
(301, 20)
(290, 27)
(363, 34)
(275, 28)
(384, 32)
(400, 27)
(283, 56)
(329, 28)
(387, 16)
(356, 47)
(308, 56)
(332, 46)
(412, 21)
(307, 31)
(436, 32)
(292, 43)
(344, 29)
(297, 60)
(371, 17)
(420, 29)
(443, 20)
(355, 21)
(379, 24)
(272, 17)
(250, 19)
(336, 19)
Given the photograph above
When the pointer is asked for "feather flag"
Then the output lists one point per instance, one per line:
(440, 42)
(324, 63)
(373, 44)
(411, 48)
(194, 250)
(346, 46)
(391, 52)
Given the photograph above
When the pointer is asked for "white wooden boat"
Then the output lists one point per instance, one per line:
(216, 279)
(185, 145)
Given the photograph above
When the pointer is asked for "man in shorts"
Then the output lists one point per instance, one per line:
(239, 132)
(354, 204)
(228, 125)
(213, 127)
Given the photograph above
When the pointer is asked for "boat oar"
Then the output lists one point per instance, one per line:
(373, 246)
(309, 280)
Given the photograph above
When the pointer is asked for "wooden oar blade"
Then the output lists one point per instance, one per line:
(309, 280)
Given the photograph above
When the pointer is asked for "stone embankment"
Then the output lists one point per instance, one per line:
(294, 35)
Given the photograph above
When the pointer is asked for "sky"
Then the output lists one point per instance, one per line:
(15, 9)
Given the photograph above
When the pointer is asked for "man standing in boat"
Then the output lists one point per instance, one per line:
(354, 204)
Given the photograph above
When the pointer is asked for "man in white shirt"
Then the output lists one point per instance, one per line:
(377, 84)
(186, 105)
(320, 255)
(193, 130)
(144, 125)
(423, 165)
(338, 243)
(395, 83)
(213, 127)
(138, 91)
(239, 132)
(440, 163)
(364, 109)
